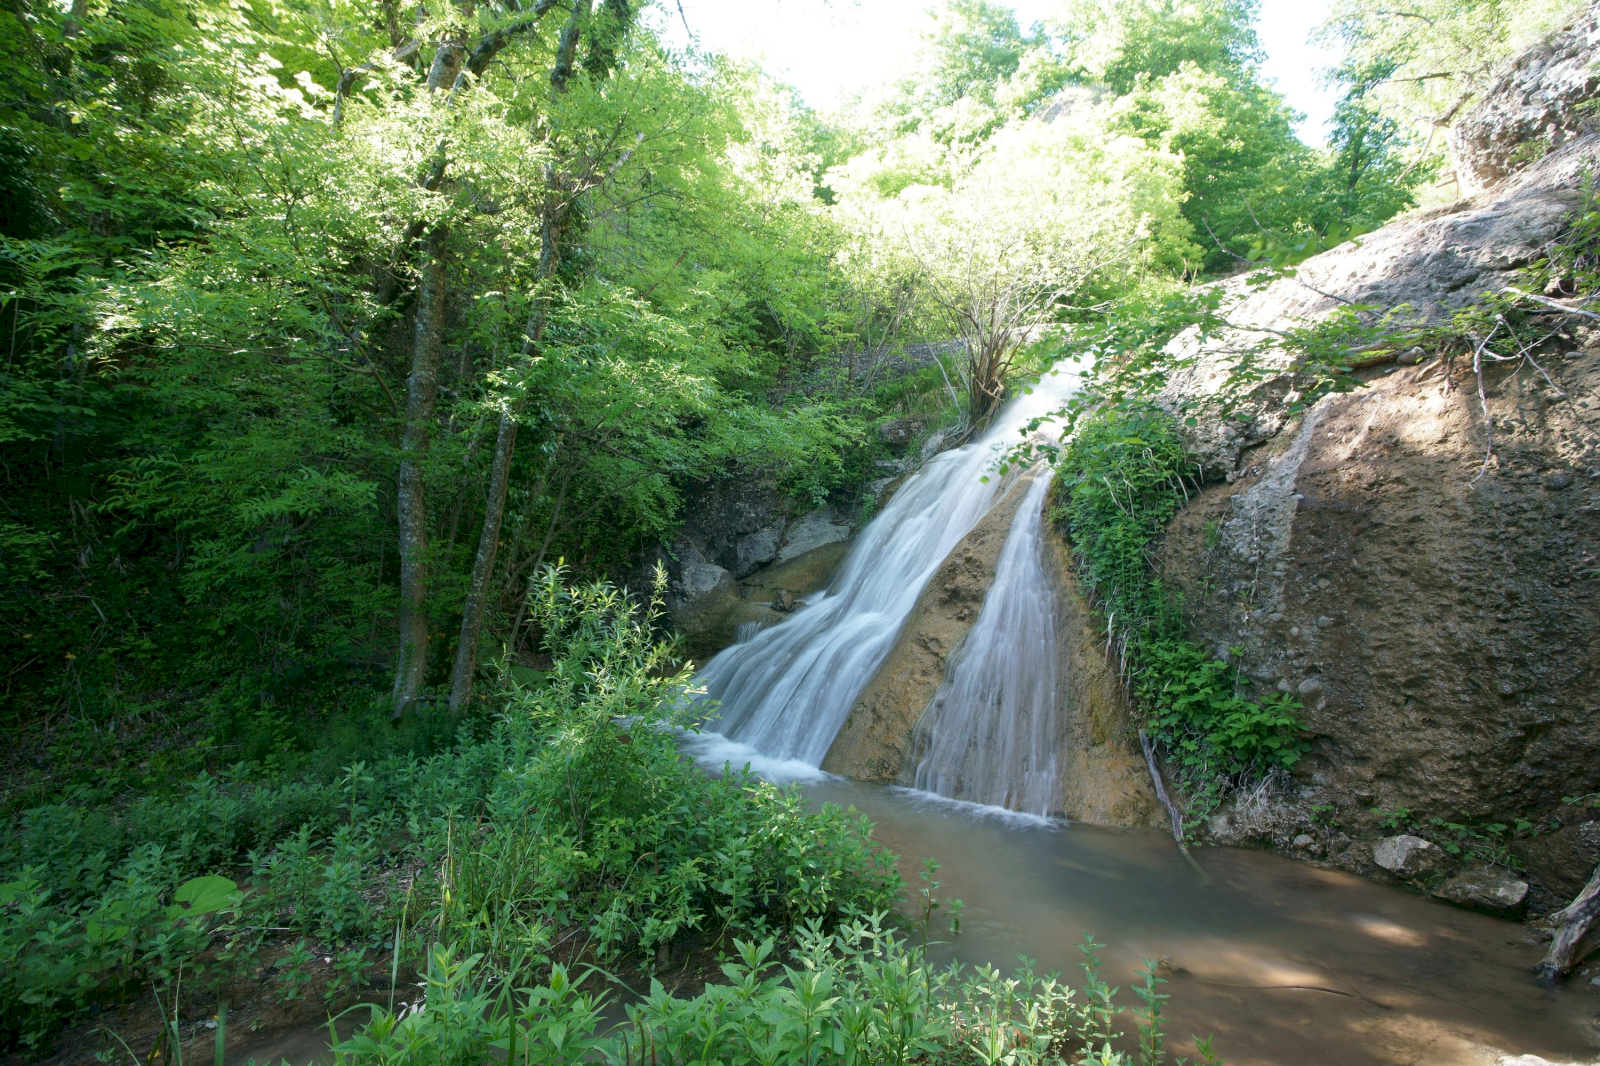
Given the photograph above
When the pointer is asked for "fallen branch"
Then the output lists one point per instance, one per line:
(1483, 399)
(1161, 792)
(1571, 923)
(1555, 304)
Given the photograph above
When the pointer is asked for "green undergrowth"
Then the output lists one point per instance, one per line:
(531, 874)
(571, 816)
(1120, 480)
(858, 994)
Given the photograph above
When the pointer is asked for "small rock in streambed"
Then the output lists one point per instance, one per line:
(1408, 856)
(1485, 889)
(783, 601)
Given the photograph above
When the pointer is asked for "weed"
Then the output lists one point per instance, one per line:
(1394, 817)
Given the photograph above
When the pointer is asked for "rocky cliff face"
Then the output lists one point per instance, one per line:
(746, 554)
(1538, 104)
(1440, 619)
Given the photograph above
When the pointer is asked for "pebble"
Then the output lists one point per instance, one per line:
(1324, 583)
(1310, 686)
(1304, 840)
(1294, 631)
(1324, 621)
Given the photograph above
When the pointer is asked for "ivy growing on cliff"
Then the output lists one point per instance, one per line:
(1123, 476)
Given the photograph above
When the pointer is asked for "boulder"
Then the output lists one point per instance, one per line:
(1408, 856)
(756, 549)
(825, 525)
(1487, 889)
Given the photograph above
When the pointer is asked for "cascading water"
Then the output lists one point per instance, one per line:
(787, 692)
(992, 733)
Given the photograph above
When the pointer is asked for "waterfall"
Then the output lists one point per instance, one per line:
(992, 733)
(786, 692)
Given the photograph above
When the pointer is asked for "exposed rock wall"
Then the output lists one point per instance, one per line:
(1103, 777)
(1442, 628)
(1534, 106)
(744, 550)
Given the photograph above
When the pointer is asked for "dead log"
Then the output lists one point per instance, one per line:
(1161, 792)
(1570, 923)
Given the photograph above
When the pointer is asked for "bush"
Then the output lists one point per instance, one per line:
(860, 994)
(573, 811)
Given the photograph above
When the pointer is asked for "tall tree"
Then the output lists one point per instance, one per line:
(563, 187)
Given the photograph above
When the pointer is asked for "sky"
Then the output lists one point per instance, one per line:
(829, 49)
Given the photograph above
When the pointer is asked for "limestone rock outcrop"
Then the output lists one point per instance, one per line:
(1534, 106)
(1440, 625)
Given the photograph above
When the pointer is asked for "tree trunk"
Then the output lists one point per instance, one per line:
(557, 206)
(1572, 921)
(422, 389)
(472, 612)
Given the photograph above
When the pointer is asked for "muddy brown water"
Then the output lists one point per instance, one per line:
(1281, 962)
(1284, 963)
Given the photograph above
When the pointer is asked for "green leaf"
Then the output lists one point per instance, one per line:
(203, 895)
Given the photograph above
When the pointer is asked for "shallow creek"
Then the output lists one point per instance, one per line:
(1285, 963)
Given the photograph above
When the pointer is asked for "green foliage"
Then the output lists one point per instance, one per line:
(1119, 481)
(1437, 54)
(858, 994)
(1479, 841)
(573, 811)
(1393, 817)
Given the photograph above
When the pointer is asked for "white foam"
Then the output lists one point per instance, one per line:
(717, 754)
(918, 799)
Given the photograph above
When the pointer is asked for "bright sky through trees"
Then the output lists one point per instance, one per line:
(829, 49)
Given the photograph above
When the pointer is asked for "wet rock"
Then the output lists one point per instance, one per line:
(784, 600)
(825, 525)
(1488, 889)
(873, 741)
(1408, 856)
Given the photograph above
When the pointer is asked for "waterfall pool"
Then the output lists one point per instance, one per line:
(1285, 963)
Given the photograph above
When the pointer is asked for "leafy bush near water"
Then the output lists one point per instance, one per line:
(1120, 480)
(572, 813)
(859, 994)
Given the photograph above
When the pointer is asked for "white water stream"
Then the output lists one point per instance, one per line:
(786, 692)
(992, 734)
